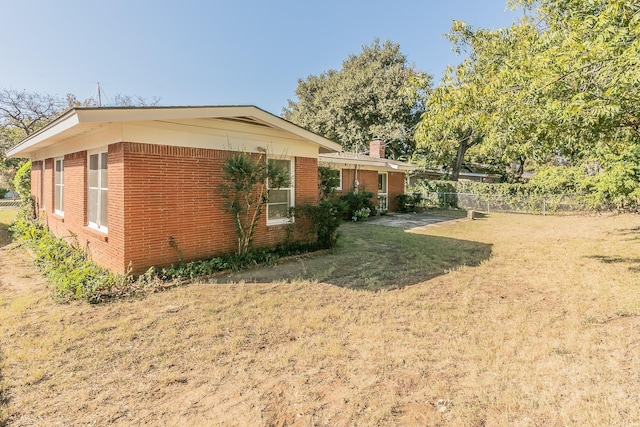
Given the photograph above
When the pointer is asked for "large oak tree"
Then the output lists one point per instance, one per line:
(365, 99)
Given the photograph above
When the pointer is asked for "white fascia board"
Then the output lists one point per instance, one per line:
(375, 164)
(61, 124)
(141, 114)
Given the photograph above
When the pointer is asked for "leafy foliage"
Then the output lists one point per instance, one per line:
(22, 181)
(358, 202)
(558, 89)
(65, 265)
(409, 202)
(323, 220)
(329, 178)
(246, 192)
(600, 192)
(366, 99)
(235, 262)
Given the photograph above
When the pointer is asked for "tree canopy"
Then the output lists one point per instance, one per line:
(23, 113)
(559, 88)
(365, 99)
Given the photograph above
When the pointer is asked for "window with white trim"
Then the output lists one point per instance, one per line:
(58, 186)
(382, 183)
(280, 199)
(97, 196)
(42, 170)
(383, 196)
(339, 187)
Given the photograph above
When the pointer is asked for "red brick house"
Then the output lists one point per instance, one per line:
(128, 181)
(384, 177)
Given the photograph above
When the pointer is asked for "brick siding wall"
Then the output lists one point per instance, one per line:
(396, 187)
(174, 193)
(157, 194)
(368, 180)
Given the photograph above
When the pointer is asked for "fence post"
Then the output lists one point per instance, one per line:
(544, 206)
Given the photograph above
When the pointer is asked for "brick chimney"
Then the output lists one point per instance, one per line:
(376, 148)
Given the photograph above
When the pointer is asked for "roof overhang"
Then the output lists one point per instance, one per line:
(461, 174)
(77, 121)
(367, 161)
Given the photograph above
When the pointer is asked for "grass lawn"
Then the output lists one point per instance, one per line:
(7, 216)
(514, 320)
(374, 257)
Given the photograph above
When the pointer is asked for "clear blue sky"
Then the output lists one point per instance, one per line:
(217, 52)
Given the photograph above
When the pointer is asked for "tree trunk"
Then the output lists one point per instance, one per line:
(462, 149)
(469, 139)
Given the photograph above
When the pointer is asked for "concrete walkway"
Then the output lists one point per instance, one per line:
(411, 220)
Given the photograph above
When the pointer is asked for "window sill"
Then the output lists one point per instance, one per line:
(57, 217)
(277, 222)
(100, 235)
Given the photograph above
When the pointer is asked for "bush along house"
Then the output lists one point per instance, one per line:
(140, 186)
(385, 178)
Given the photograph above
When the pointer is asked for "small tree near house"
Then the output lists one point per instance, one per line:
(248, 178)
(324, 219)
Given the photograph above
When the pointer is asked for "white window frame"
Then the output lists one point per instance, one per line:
(57, 185)
(339, 187)
(42, 181)
(97, 225)
(384, 193)
(292, 192)
(385, 190)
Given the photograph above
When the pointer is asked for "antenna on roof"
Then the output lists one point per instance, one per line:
(96, 97)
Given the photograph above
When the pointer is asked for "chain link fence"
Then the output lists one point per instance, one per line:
(9, 203)
(550, 204)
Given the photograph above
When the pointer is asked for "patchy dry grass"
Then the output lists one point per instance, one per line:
(544, 332)
(7, 216)
(374, 257)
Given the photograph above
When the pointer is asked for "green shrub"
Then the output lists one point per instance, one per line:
(357, 203)
(22, 181)
(409, 202)
(3, 192)
(66, 266)
(328, 180)
(235, 262)
(322, 221)
(615, 187)
(246, 193)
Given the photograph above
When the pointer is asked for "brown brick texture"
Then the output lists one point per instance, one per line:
(368, 180)
(156, 194)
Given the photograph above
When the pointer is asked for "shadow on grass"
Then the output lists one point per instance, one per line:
(632, 230)
(4, 397)
(7, 216)
(5, 239)
(634, 263)
(633, 233)
(373, 257)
